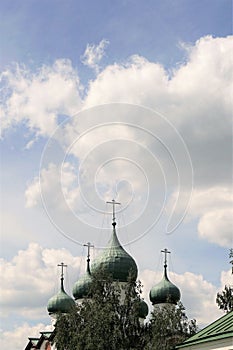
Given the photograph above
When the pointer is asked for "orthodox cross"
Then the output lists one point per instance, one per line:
(113, 202)
(89, 246)
(62, 265)
(165, 251)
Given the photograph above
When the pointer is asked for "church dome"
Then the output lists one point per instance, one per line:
(82, 286)
(61, 302)
(143, 309)
(116, 261)
(165, 291)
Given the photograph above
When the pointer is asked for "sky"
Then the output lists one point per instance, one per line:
(127, 100)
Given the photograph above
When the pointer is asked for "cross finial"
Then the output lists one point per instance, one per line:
(62, 265)
(113, 202)
(89, 246)
(165, 251)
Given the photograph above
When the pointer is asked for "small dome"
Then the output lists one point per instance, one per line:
(143, 309)
(164, 291)
(116, 261)
(61, 302)
(82, 286)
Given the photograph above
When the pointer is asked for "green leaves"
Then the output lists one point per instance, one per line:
(225, 299)
(110, 320)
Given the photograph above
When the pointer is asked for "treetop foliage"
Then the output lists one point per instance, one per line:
(108, 319)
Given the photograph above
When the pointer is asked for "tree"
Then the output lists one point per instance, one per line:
(105, 321)
(225, 298)
(231, 261)
(169, 326)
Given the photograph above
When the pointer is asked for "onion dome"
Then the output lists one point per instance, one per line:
(165, 291)
(82, 286)
(143, 309)
(61, 302)
(115, 260)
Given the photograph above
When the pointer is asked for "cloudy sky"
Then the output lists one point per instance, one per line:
(127, 100)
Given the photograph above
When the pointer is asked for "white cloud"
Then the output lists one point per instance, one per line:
(138, 81)
(217, 226)
(32, 277)
(17, 339)
(197, 294)
(37, 98)
(94, 54)
(200, 85)
(213, 209)
(195, 99)
(59, 186)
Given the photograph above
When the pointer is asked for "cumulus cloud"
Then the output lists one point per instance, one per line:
(38, 98)
(197, 294)
(25, 288)
(17, 338)
(195, 99)
(217, 226)
(212, 207)
(94, 54)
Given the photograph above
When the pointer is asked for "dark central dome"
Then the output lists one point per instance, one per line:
(116, 261)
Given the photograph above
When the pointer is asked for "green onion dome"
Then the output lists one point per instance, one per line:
(61, 302)
(116, 261)
(82, 286)
(164, 291)
(143, 309)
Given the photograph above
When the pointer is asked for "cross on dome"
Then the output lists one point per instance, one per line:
(89, 246)
(166, 252)
(113, 202)
(62, 265)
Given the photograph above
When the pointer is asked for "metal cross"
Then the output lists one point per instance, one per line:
(113, 202)
(165, 251)
(62, 265)
(89, 246)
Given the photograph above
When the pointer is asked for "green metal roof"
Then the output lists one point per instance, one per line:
(164, 291)
(143, 309)
(82, 286)
(34, 341)
(219, 329)
(61, 302)
(116, 261)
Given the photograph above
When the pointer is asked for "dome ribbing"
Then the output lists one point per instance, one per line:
(165, 291)
(61, 302)
(81, 288)
(116, 261)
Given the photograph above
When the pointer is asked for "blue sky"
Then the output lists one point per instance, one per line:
(38, 32)
(135, 84)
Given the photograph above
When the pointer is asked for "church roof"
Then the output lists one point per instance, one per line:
(143, 309)
(61, 302)
(219, 329)
(165, 291)
(116, 261)
(82, 286)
